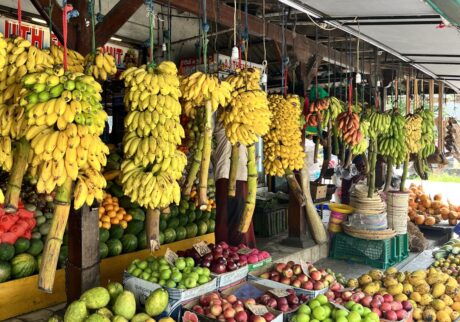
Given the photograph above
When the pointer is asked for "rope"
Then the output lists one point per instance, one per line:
(169, 29)
(151, 13)
(19, 18)
(205, 36)
(91, 9)
(234, 24)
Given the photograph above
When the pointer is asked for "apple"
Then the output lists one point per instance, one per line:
(346, 296)
(375, 303)
(315, 275)
(198, 309)
(406, 305)
(210, 315)
(272, 303)
(231, 266)
(252, 259)
(361, 295)
(269, 316)
(318, 285)
(377, 311)
(233, 248)
(285, 280)
(338, 300)
(217, 249)
(221, 318)
(336, 286)
(230, 320)
(329, 278)
(226, 306)
(385, 307)
(229, 313)
(355, 298)
(388, 298)
(250, 301)
(216, 302)
(279, 267)
(225, 252)
(290, 291)
(264, 299)
(290, 264)
(275, 278)
(292, 299)
(366, 301)
(391, 315)
(302, 277)
(297, 269)
(218, 268)
(216, 310)
(257, 318)
(242, 262)
(288, 272)
(307, 285)
(401, 314)
(265, 275)
(283, 308)
(241, 316)
(330, 295)
(238, 307)
(204, 300)
(282, 301)
(265, 254)
(296, 283)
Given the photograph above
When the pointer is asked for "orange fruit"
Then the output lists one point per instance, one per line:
(112, 214)
(108, 207)
(128, 217)
(100, 224)
(106, 225)
(119, 216)
(105, 219)
(123, 224)
(114, 221)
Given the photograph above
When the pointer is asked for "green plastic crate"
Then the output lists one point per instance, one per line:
(400, 247)
(375, 253)
(270, 218)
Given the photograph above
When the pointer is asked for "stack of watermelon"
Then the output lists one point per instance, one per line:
(17, 225)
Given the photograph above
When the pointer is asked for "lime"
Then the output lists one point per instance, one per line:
(153, 279)
(190, 262)
(142, 265)
(131, 268)
(145, 276)
(162, 282)
(163, 261)
(164, 267)
(180, 263)
(155, 266)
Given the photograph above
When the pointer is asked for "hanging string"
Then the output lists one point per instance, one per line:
(234, 24)
(50, 15)
(169, 29)
(65, 10)
(205, 36)
(92, 13)
(316, 74)
(19, 18)
(151, 14)
(283, 40)
(329, 63)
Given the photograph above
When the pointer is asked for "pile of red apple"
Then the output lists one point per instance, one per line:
(384, 305)
(292, 274)
(228, 308)
(284, 304)
(224, 258)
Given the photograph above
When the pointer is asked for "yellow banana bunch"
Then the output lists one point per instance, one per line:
(89, 186)
(3, 53)
(75, 61)
(282, 144)
(363, 144)
(413, 132)
(247, 79)
(334, 109)
(2, 197)
(13, 123)
(6, 153)
(199, 88)
(101, 65)
(248, 116)
(393, 143)
(379, 123)
(427, 136)
(152, 164)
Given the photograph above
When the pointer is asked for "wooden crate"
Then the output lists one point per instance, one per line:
(22, 295)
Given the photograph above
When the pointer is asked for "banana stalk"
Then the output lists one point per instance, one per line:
(372, 163)
(252, 191)
(206, 157)
(295, 187)
(329, 150)
(20, 158)
(389, 174)
(54, 238)
(317, 228)
(194, 168)
(233, 170)
(152, 229)
(402, 187)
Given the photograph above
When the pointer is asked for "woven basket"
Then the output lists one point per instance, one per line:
(397, 209)
(369, 234)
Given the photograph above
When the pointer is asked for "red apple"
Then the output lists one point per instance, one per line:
(318, 285)
(388, 298)
(238, 308)
(272, 303)
(288, 272)
(290, 264)
(385, 307)
(336, 287)
(215, 302)
(241, 316)
(282, 301)
(396, 306)
(339, 300)
(366, 301)
(279, 267)
(283, 308)
(275, 278)
(307, 285)
(297, 269)
(315, 275)
(216, 310)
(231, 298)
(406, 305)
(210, 315)
(361, 295)
(401, 314)
(198, 309)
(329, 278)
(302, 277)
(285, 280)
(205, 300)
(250, 301)
(296, 283)
(230, 320)
(292, 299)
(269, 316)
(257, 318)
(330, 295)
(377, 311)
(227, 306)
(375, 303)
(229, 313)
(355, 298)
(391, 315)
(379, 297)
(346, 296)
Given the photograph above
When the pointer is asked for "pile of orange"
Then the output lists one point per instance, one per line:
(194, 197)
(110, 213)
(424, 210)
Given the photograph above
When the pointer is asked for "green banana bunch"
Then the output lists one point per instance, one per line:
(379, 123)
(362, 145)
(393, 143)
(335, 108)
(427, 144)
(152, 164)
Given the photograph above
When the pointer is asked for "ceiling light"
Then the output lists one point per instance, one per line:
(358, 78)
(39, 20)
(235, 53)
(116, 39)
(299, 7)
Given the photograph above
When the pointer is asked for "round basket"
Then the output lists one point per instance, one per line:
(397, 209)
(340, 208)
(369, 234)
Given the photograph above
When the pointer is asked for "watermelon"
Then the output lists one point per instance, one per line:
(134, 227)
(181, 233)
(142, 240)
(170, 235)
(103, 250)
(162, 238)
(129, 242)
(198, 214)
(22, 245)
(173, 210)
(104, 235)
(211, 226)
(116, 231)
(63, 253)
(163, 224)
(191, 216)
(202, 228)
(125, 202)
(192, 230)
(6, 251)
(39, 262)
(137, 213)
(191, 205)
(23, 265)
(183, 220)
(5, 271)
(115, 247)
(173, 222)
(205, 216)
(36, 247)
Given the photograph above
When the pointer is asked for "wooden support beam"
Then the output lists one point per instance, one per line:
(81, 40)
(304, 47)
(41, 5)
(440, 116)
(416, 94)
(431, 93)
(408, 95)
(117, 17)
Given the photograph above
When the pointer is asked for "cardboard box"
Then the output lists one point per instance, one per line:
(254, 276)
(142, 289)
(231, 278)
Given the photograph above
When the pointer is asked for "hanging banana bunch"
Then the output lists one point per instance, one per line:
(427, 143)
(393, 143)
(75, 61)
(245, 120)
(3, 52)
(101, 65)
(152, 164)
(201, 90)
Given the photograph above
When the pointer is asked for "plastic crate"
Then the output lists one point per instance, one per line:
(270, 218)
(400, 247)
(376, 253)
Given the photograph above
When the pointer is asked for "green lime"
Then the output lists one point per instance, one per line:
(162, 282)
(163, 261)
(142, 265)
(164, 267)
(131, 268)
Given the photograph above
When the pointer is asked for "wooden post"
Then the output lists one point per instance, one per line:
(82, 269)
(431, 94)
(408, 95)
(440, 116)
(415, 94)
